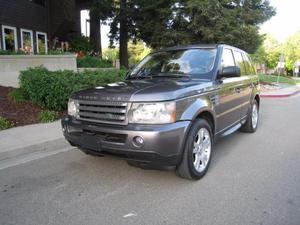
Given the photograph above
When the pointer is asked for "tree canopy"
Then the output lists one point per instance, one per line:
(271, 50)
(163, 23)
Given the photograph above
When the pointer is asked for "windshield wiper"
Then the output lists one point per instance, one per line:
(139, 77)
(173, 76)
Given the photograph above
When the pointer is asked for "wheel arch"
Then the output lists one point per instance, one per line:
(257, 98)
(210, 118)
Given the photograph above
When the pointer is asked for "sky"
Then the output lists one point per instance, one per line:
(283, 24)
(286, 21)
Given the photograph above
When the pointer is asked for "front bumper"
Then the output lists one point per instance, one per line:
(163, 144)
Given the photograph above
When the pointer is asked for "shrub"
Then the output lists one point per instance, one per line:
(89, 62)
(4, 123)
(18, 95)
(5, 52)
(51, 90)
(47, 116)
(80, 43)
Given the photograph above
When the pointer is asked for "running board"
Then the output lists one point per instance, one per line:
(232, 130)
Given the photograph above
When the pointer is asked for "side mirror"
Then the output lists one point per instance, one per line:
(230, 71)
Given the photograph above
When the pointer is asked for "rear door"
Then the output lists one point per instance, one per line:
(228, 109)
(245, 89)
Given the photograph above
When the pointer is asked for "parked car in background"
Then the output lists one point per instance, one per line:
(169, 110)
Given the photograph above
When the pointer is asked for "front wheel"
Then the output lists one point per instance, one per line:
(197, 153)
(252, 120)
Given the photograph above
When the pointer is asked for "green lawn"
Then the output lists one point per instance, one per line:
(273, 79)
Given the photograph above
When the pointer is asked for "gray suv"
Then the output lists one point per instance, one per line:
(169, 110)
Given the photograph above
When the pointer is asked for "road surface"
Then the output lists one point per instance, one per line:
(253, 179)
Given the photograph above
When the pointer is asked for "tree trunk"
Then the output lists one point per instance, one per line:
(95, 33)
(123, 54)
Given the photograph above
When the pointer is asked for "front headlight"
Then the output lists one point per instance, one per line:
(153, 113)
(73, 107)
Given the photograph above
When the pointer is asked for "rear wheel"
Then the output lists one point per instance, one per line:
(252, 120)
(197, 153)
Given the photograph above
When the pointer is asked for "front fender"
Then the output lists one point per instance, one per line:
(192, 107)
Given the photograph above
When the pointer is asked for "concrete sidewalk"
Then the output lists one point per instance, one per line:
(281, 92)
(31, 138)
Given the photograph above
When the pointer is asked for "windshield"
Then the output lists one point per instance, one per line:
(197, 63)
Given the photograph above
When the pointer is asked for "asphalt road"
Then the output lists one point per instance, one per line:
(253, 179)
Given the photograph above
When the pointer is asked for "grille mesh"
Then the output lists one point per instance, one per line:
(103, 112)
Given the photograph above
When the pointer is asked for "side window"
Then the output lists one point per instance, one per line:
(239, 60)
(227, 58)
(249, 66)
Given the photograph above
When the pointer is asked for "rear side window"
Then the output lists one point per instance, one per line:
(249, 66)
(240, 62)
(227, 58)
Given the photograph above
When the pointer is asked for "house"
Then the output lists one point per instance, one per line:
(35, 25)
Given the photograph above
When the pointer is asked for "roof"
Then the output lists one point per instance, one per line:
(179, 47)
(189, 47)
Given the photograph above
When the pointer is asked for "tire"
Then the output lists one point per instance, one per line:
(196, 159)
(251, 126)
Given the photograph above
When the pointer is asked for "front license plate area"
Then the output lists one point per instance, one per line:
(91, 142)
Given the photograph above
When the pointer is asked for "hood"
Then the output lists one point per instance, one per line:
(144, 90)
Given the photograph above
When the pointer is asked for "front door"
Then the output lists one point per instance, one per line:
(228, 107)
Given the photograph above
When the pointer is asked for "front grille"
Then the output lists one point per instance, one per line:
(103, 112)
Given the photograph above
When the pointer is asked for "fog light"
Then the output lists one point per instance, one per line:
(138, 141)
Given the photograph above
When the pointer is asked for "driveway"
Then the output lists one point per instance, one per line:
(253, 179)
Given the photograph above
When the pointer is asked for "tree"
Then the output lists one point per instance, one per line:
(137, 51)
(291, 49)
(122, 27)
(163, 23)
(174, 22)
(99, 11)
(273, 51)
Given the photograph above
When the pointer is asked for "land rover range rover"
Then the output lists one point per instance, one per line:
(169, 109)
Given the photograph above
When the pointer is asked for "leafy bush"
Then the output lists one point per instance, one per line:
(47, 116)
(51, 90)
(90, 62)
(80, 43)
(5, 52)
(18, 95)
(4, 123)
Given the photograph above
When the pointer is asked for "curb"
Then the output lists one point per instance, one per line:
(36, 148)
(279, 95)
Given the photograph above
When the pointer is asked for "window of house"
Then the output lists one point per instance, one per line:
(27, 40)
(41, 43)
(9, 38)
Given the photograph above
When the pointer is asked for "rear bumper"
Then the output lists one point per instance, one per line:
(162, 145)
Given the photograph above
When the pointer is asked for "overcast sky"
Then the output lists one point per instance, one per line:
(285, 23)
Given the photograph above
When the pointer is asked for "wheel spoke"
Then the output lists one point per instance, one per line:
(197, 162)
(202, 149)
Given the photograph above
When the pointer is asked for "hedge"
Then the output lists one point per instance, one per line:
(51, 90)
(93, 62)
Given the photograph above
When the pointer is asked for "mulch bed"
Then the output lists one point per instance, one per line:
(19, 113)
